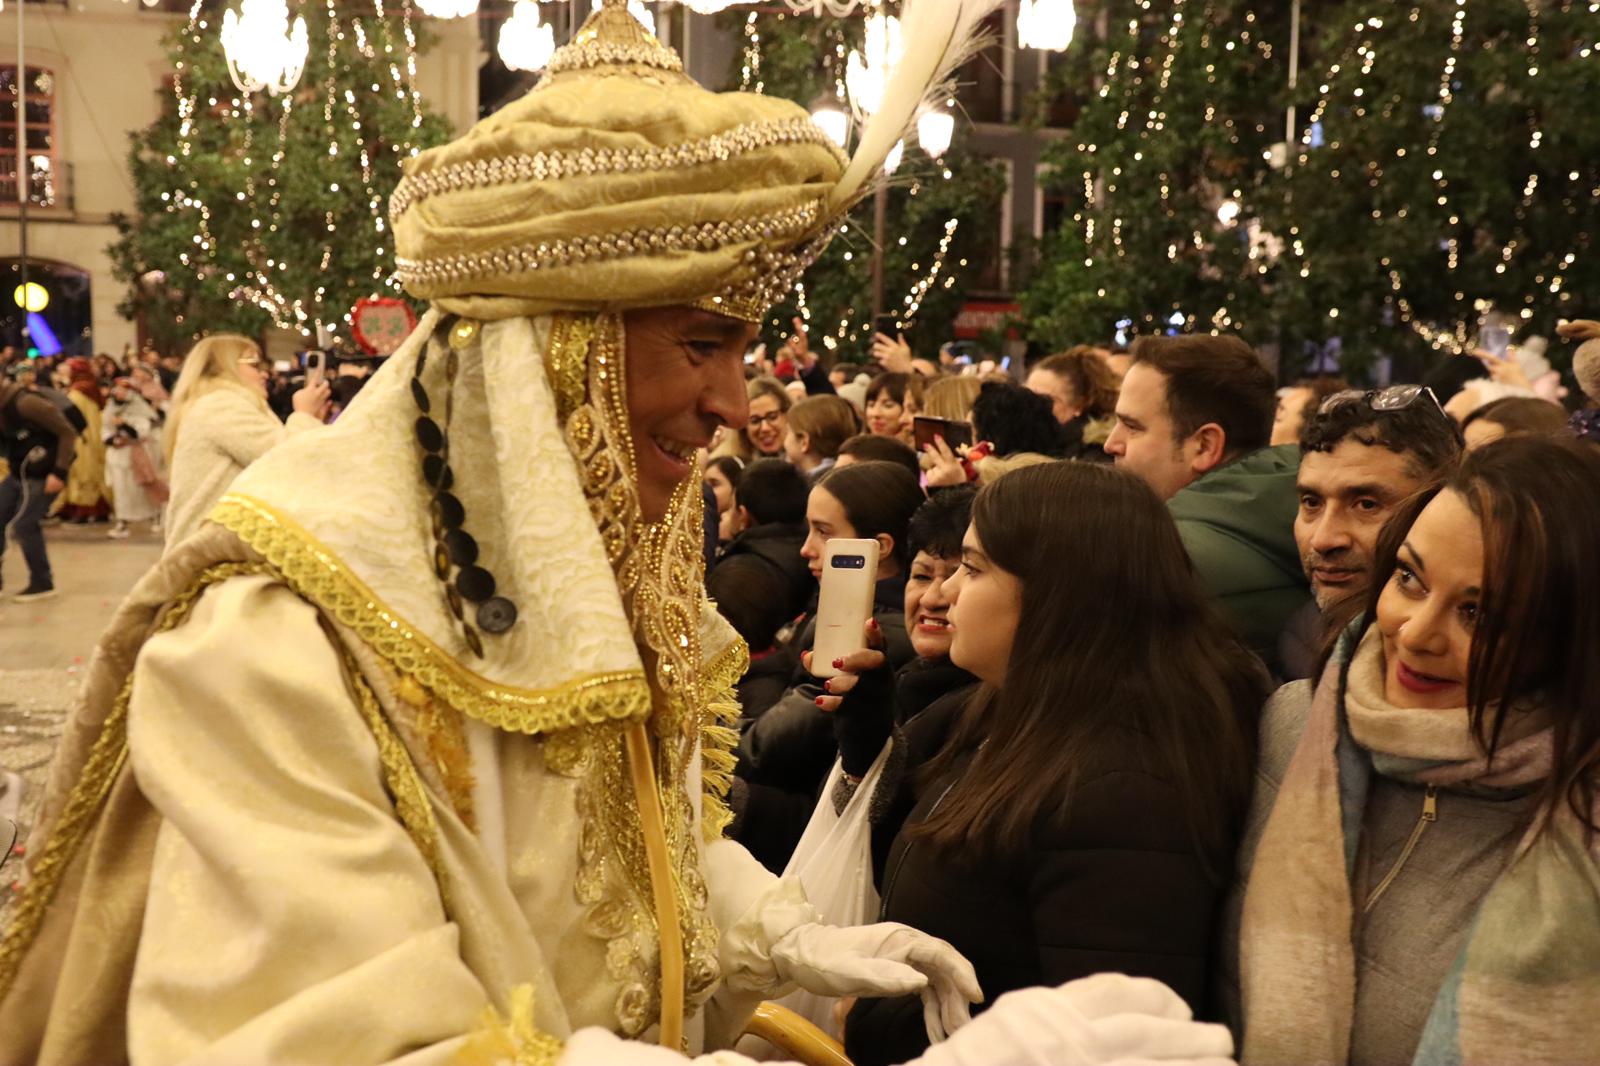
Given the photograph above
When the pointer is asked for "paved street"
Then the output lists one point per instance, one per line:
(44, 646)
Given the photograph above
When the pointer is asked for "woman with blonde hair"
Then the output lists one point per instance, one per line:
(220, 423)
(951, 398)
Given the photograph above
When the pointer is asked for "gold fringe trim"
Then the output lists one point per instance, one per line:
(411, 801)
(318, 575)
(447, 743)
(719, 736)
(500, 1040)
(88, 796)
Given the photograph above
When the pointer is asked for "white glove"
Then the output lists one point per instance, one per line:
(1096, 1021)
(887, 959)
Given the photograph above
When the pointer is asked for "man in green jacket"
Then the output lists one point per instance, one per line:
(1193, 421)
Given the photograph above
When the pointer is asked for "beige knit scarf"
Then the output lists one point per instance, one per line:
(1526, 986)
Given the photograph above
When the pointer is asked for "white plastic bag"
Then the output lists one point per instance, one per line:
(834, 863)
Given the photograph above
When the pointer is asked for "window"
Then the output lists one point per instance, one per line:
(1061, 103)
(981, 86)
(1052, 208)
(38, 118)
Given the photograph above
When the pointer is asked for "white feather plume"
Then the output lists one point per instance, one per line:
(937, 36)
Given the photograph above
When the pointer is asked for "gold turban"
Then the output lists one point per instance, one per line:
(617, 182)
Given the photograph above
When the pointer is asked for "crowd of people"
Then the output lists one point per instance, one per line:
(1192, 719)
(1082, 608)
(97, 440)
(1069, 668)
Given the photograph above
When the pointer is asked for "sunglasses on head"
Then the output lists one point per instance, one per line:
(1393, 398)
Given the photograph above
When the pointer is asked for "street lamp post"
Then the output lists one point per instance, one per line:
(20, 84)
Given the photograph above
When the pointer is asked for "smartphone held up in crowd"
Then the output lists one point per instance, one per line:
(849, 574)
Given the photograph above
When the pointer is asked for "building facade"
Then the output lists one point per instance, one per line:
(96, 72)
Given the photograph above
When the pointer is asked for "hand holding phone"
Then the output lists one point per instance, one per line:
(1496, 340)
(925, 429)
(849, 574)
(316, 367)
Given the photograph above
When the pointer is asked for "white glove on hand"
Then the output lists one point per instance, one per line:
(1096, 1021)
(887, 959)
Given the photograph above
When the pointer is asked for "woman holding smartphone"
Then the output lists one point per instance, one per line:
(1079, 813)
(220, 423)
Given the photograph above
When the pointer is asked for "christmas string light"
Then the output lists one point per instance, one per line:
(914, 298)
(750, 73)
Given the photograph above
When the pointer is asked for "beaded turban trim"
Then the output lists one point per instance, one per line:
(618, 182)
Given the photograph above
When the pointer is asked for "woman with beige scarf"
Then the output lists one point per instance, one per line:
(1427, 885)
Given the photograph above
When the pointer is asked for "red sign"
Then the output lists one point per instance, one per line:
(382, 323)
(981, 316)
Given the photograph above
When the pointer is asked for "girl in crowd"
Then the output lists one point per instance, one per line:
(1079, 812)
(722, 475)
(131, 433)
(1514, 415)
(951, 398)
(789, 743)
(220, 423)
(817, 426)
(1425, 889)
(893, 400)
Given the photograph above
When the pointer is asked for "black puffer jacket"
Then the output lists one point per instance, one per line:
(773, 795)
(1117, 883)
(761, 583)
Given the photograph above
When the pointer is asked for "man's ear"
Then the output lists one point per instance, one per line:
(885, 547)
(805, 441)
(1207, 446)
(742, 518)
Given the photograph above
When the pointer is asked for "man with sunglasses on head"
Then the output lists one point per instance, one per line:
(1361, 454)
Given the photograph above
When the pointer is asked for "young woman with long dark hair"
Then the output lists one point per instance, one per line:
(1427, 885)
(1079, 813)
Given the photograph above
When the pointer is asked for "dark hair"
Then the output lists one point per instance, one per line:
(1522, 414)
(939, 524)
(730, 467)
(1015, 419)
(773, 491)
(872, 448)
(1158, 673)
(850, 370)
(1452, 374)
(877, 498)
(827, 422)
(1093, 382)
(897, 385)
(1538, 625)
(1213, 380)
(1422, 432)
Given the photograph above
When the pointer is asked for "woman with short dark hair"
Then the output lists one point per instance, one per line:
(893, 400)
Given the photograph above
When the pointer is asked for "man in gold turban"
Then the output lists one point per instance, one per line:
(416, 750)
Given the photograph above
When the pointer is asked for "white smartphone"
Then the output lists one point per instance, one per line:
(849, 572)
(316, 366)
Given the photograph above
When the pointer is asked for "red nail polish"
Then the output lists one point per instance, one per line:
(819, 701)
